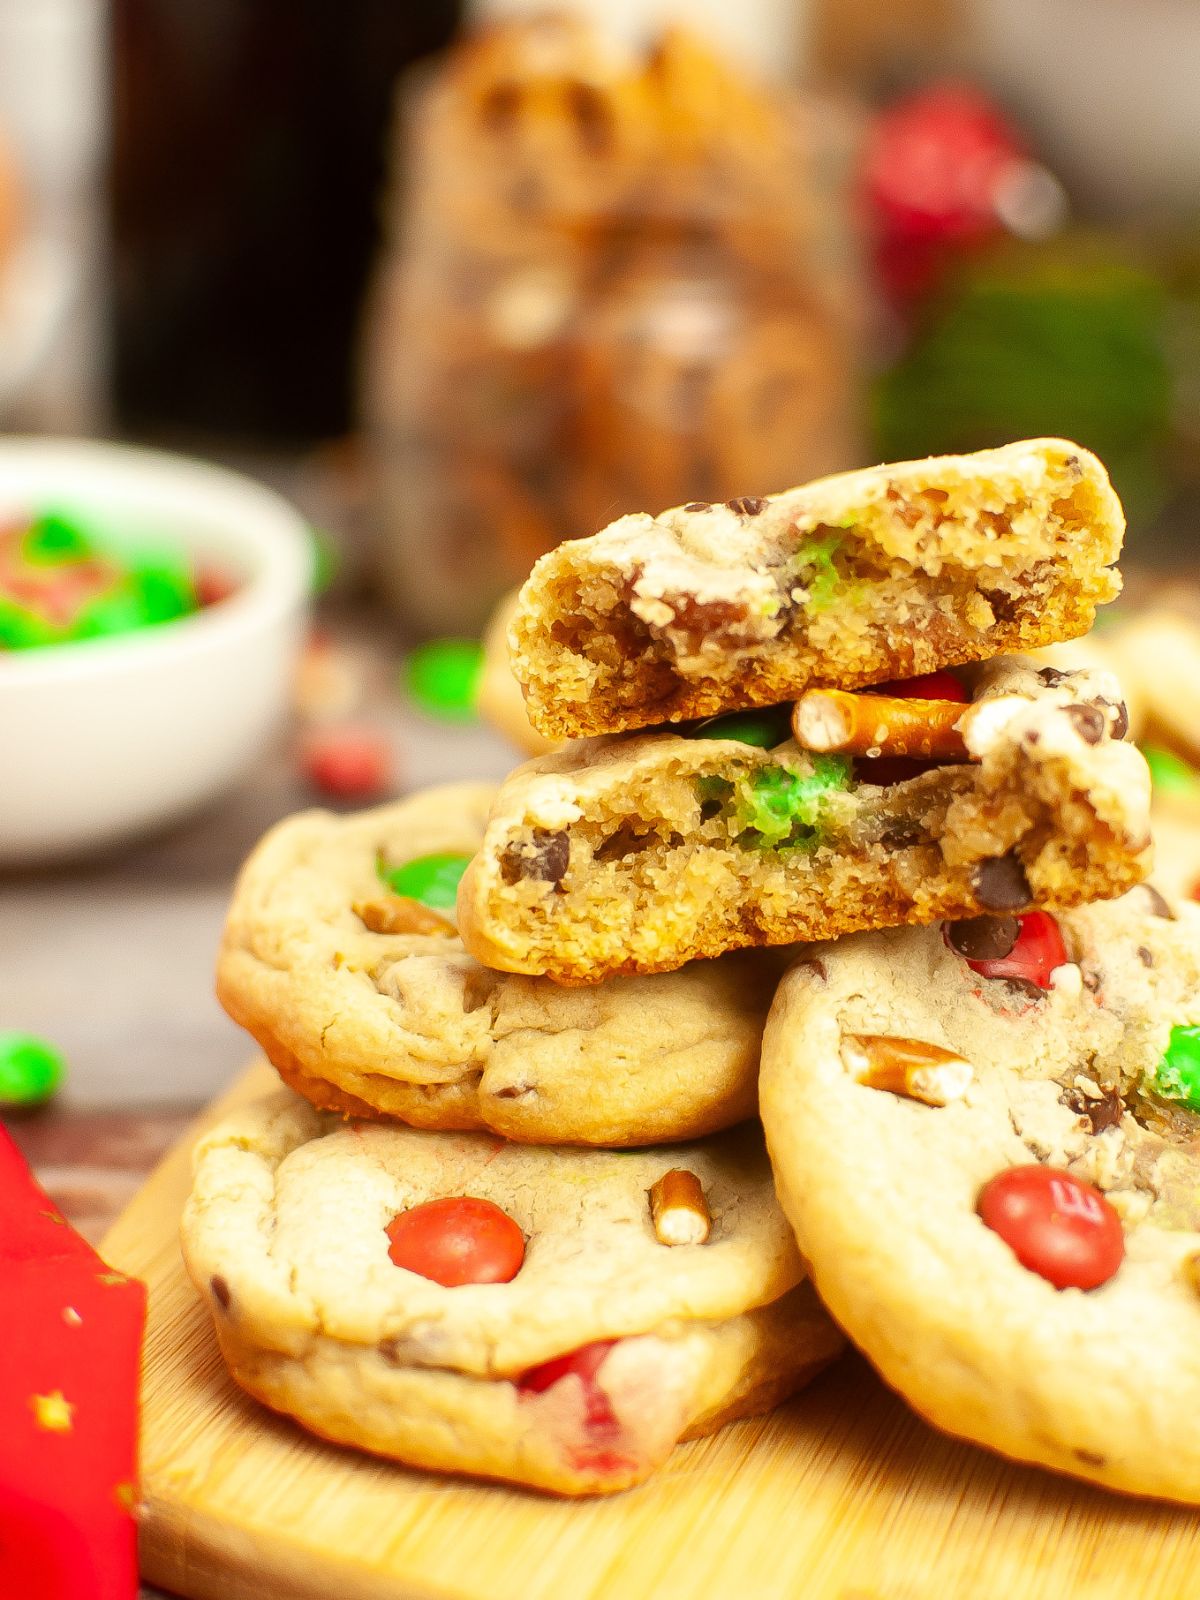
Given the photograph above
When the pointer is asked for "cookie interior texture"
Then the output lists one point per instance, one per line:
(883, 1190)
(285, 1237)
(858, 578)
(406, 1024)
(638, 854)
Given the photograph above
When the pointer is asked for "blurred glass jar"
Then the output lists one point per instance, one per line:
(614, 284)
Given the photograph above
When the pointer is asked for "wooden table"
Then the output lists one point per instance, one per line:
(111, 960)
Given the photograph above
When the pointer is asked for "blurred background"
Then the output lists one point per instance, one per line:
(460, 281)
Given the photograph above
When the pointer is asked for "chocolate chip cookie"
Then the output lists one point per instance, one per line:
(855, 579)
(985, 1134)
(1004, 787)
(556, 1317)
(340, 956)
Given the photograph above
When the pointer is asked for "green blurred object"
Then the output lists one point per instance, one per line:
(31, 1071)
(22, 629)
(326, 559)
(1065, 339)
(442, 677)
(1169, 773)
(53, 538)
(431, 879)
(165, 588)
(764, 729)
(1177, 1075)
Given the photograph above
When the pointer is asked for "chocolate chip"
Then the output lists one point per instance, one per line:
(1144, 956)
(546, 857)
(747, 505)
(1158, 905)
(220, 1291)
(1050, 676)
(697, 505)
(1103, 1113)
(1089, 722)
(983, 938)
(1001, 884)
(625, 841)
(1027, 987)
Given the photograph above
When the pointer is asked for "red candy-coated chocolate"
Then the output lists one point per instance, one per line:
(347, 763)
(585, 1363)
(1038, 950)
(928, 686)
(456, 1241)
(70, 1352)
(1056, 1225)
(602, 1425)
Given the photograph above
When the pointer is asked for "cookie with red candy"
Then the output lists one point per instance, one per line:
(551, 1316)
(987, 1138)
(70, 1356)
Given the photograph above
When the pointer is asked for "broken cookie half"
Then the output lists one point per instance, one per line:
(997, 789)
(883, 573)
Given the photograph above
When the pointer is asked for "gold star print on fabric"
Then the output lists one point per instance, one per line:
(52, 1412)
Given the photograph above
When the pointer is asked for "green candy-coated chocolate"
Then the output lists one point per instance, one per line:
(431, 879)
(442, 677)
(815, 567)
(1177, 1075)
(164, 589)
(1168, 773)
(763, 729)
(54, 538)
(777, 806)
(22, 628)
(31, 1071)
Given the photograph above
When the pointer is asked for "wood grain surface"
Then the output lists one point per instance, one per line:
(841, 1495)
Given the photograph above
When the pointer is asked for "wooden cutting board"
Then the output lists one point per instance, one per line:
(842, 1495)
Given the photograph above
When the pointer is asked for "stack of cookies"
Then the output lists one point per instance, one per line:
(510, 1223)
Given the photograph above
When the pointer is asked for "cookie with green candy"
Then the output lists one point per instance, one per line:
(856, 579)
(999, 789)
(341, 957)
(986, 1135)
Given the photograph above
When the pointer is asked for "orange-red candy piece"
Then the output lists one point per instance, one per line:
(457, 1241)
(1056, 1225)
(348, 763)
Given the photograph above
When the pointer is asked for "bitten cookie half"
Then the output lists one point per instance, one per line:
(637, 854)
(591, 1349)
(367, 1003)
(986, 1139)
(883, 573)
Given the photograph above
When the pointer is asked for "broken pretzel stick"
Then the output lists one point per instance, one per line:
(678, 1208)
(908, 1067)
(878, 725)
(396, 913)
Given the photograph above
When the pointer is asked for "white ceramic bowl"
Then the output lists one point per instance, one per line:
(105, 738)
